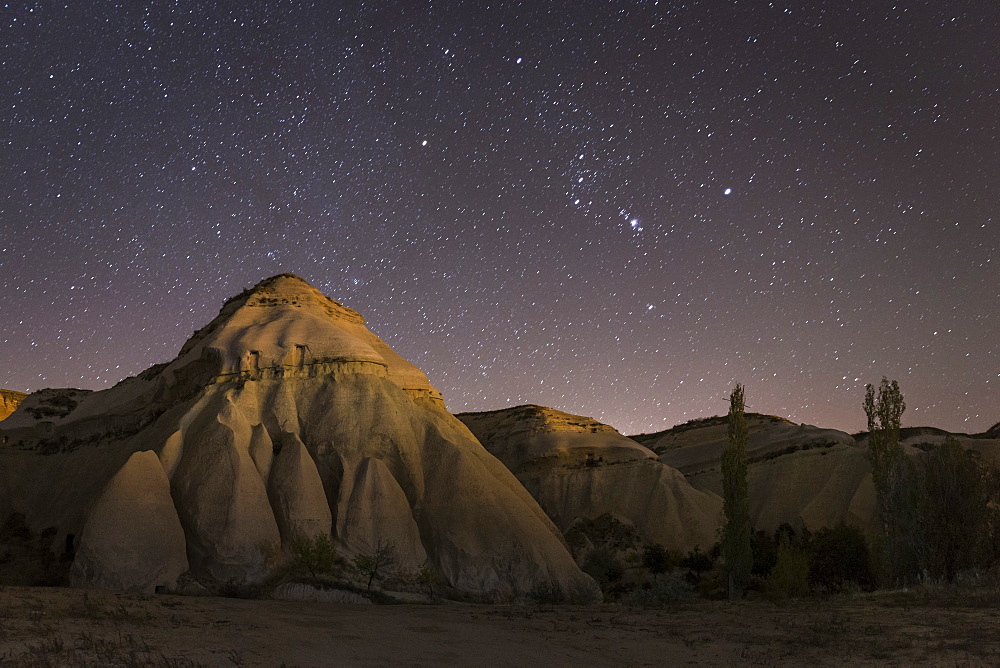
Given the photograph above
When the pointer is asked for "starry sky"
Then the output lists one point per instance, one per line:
(617, 209)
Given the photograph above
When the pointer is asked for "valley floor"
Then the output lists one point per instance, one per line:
(48, 626)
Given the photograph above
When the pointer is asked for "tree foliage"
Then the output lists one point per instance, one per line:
(840, 559)
(956, 513)
(604, 566)
(375, 563)
(315, 557)
(697, 562)
(736, 551)
(657, 559)
(896, 488)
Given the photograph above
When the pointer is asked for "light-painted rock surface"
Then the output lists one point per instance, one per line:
(798, 474)
(579, 469)
(282, 416)
(9, 401)
(133, 540)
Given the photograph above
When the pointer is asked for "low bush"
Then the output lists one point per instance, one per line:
(315, 557)
(604, 566)
(790, 576)
(840, 559)
(665, 590)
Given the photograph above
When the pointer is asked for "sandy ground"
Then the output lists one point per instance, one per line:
(41, 626)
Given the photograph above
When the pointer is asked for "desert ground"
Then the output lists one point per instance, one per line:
(55, 626)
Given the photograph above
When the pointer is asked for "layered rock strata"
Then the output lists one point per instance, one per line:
(284, 417)
(579, 469)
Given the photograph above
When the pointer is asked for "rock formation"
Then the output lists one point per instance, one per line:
(798, 474)
(9, 401)
(283, 417)
(579, 469)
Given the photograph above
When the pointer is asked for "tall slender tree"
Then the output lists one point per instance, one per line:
(736, 552)
(896, 488)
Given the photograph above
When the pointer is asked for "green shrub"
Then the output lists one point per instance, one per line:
(315, 557)
(790, 575)
(665, 590)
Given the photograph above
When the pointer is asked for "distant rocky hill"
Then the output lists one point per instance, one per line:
(284, 417)
(580, 470)
(798, 474)
(9, 401)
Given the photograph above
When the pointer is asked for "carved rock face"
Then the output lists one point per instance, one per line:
(283, 417)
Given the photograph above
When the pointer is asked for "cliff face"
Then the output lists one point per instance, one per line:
(9, 401)
(580, 470)
(283, 417)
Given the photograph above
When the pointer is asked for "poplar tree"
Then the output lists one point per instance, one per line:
(736, 550)
(896, 490)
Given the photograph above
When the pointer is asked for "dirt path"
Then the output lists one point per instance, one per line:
(73, 627)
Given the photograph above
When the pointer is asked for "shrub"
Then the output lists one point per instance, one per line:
(665, 590)
(657, 559)
(546, 593)
(602, 565)
(840, 559)
(765, 554)
(697, 562)
(603, 531)
(315, 557)
(790, 575)
(427, 576)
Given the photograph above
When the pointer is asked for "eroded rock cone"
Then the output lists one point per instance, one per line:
(285, 416)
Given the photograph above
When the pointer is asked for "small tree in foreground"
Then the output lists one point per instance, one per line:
(315, 556)
(656, 558)
(736, 551)
(375, 564)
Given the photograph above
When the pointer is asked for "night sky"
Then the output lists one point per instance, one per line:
(615, 209)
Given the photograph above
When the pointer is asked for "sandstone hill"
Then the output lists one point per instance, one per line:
(283, 417)
(580, 470)
(798, 474)
(9, 401)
